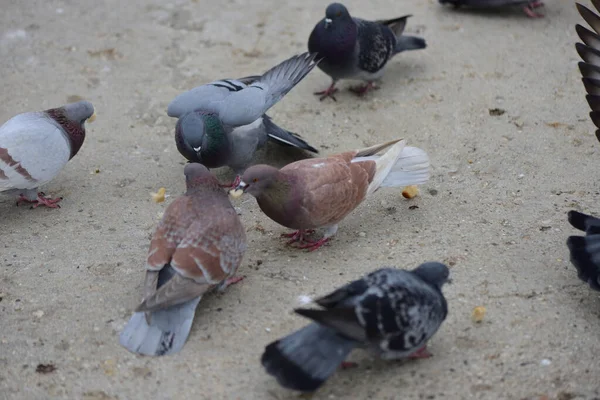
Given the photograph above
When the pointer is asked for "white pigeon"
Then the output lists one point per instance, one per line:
(35, 147)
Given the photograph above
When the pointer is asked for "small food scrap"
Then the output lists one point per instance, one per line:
(110, 53)
(555, 124)
(45, 368)
(478, 314)
(496, 112)
(159, 196)
(96, 171)
(410, 191)
(236, 193)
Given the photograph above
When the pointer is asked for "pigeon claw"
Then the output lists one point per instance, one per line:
(362, 90)
(297, 235)
(233, 280)
(312, 246)
(528, 9)
(329, 92)
(348, 365)
(41, 200)
(421, 353)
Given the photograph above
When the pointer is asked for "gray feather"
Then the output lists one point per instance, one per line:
(164, 332)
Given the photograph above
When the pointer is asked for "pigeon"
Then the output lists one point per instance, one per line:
(585, 250)
(391, 312)
(223, 123)
(353, 48)
(528, 5)
(590, 66)
(36, 146)
(197, 246)
(320, 192)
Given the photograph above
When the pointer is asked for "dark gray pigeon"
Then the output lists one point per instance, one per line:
(590, 66)
(585, 250)
(352, 48)
(223, 123)
(391, 312)
(528, 5)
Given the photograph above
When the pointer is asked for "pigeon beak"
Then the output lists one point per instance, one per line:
(92, 118)
(239, 190)
(327, 23)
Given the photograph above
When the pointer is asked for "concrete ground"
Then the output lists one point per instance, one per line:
(494, 209)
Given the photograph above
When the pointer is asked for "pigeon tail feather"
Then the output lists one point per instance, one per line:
(283, 137)
(164, 332)
(305, 359)
(404, 43)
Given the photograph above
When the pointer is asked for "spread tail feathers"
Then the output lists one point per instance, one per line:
(305, 359)
(165, 333)
(399, 166)
(404, 43)
(281, 136)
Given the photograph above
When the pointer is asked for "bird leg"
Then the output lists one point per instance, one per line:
(329, 92)
(421, 353)
(297, 235)
(230, 281)
(41, 200)
(312, 246)
(361, 90)
(528, 9)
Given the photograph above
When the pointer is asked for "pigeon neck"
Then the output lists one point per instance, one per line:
(217, 149)
(202, 184)
(74, 130)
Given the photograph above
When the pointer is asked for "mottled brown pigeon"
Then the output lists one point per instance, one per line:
(528, 5)
(36, 146)
(320, 192)
(590, 53)
(198, 245)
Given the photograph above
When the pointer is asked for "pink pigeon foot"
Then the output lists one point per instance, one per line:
(297, 235)
(232, 281)
(312, 246)
(362, 90)
(40, 201)
(528, 9)
(421, 353)
(348, 365)
(329, 92)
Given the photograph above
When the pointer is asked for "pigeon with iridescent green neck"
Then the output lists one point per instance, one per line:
(223, 123)
(36, 146)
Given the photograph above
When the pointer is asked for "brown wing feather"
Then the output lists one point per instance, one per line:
(332, 186)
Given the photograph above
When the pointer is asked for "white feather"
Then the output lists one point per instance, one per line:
(399, 166)
(38, 145)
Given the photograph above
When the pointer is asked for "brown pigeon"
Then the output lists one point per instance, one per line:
(198, 245)
(36, 146)
(320, 192)
(590, 53)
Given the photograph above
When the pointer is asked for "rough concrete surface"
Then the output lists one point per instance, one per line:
(494, 209)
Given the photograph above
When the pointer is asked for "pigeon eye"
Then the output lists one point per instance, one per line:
(255, 180)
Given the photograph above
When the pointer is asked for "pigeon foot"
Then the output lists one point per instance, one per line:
(348, 365)
(528, 9)
(329, 92)
(41, 200)
(362, 90)
(421, 353)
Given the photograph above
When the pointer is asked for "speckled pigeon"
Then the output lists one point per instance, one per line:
(36, 146)
(391, 312)
(353, 48)
(590, 66)
(224, 122)
(585, 250)
(320, 192)
(528, 5)
(197, 246)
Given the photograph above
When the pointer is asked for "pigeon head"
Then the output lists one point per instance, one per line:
(71, 118)
(336, 12)
(200, 137)
(434, 273)
(197, 175)
(257, 179)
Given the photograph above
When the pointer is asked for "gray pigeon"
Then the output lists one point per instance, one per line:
(224, 122)
(36, 146)
(390, 312)
(585, 250)
(197, 246)
(352, 48)
(590, 66)
(528, 5)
